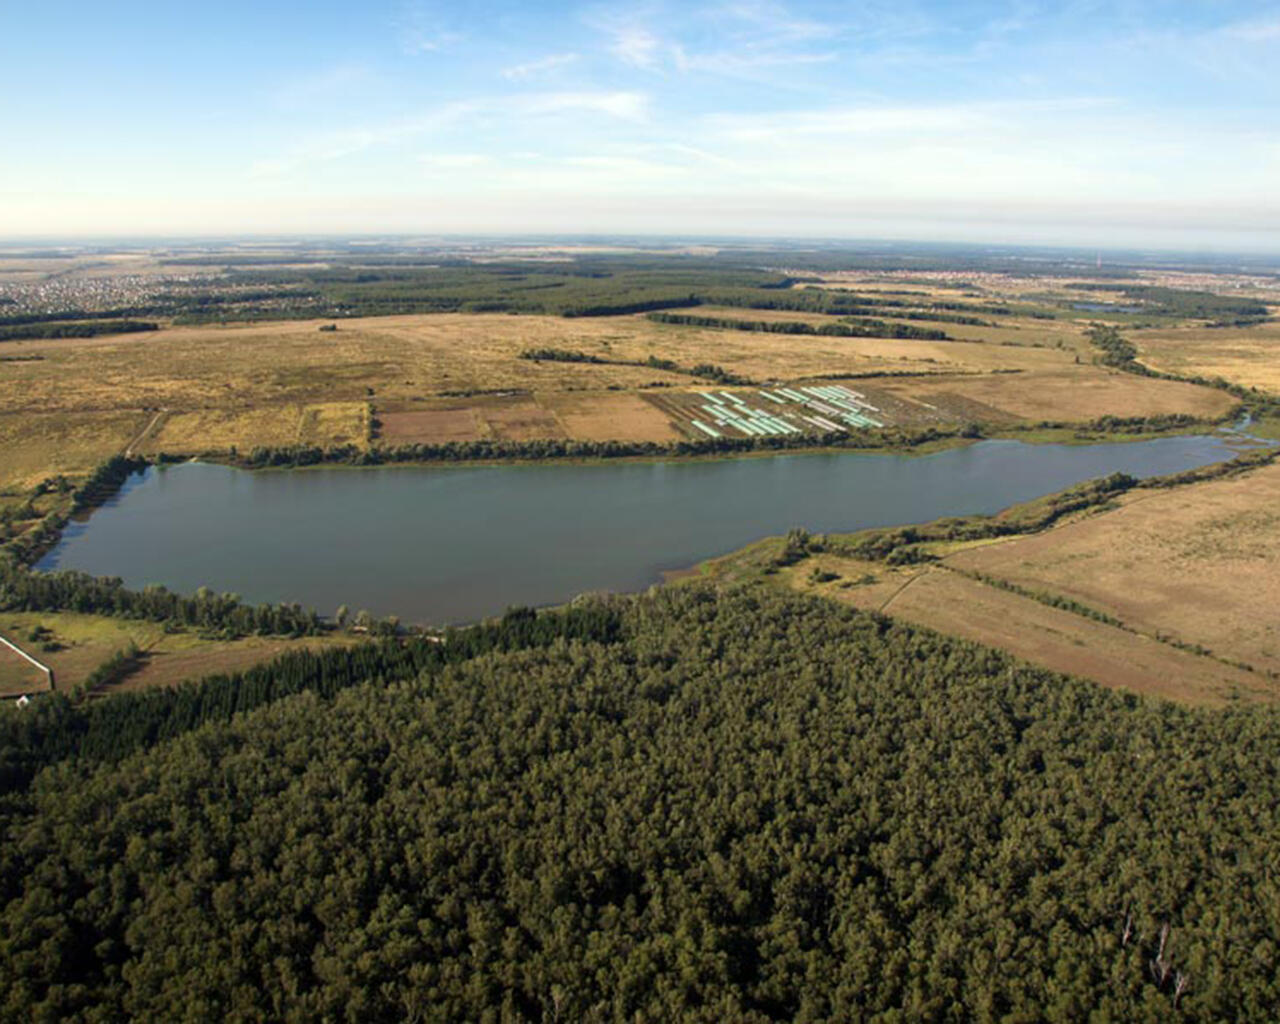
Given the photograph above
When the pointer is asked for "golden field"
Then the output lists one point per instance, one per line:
(186, 390)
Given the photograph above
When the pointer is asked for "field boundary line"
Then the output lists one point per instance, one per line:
(23, 654)
(884, 608)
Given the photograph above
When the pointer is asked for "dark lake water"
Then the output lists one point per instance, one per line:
(437, 545)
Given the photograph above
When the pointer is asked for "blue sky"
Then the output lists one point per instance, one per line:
(1124, 122)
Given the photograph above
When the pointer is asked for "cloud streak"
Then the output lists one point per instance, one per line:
(537, 68)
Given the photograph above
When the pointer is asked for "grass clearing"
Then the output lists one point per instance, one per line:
(1246, 355)
(17, 675)
(36, 445)
(84, 642)
(1198, 564)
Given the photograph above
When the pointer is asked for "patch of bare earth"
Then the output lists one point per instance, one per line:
(610, 417)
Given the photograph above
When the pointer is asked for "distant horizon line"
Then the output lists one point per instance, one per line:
(266, 239)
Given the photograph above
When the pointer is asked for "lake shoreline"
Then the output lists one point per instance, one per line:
(439, 547)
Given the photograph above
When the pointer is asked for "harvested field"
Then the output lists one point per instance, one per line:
(284, 383)
(1249, 355)
(328, 423)
(521, 420)
(430, 426)
(1050, 637)
(580, 415)
(1200, 564)
(610, 416)
(398, 358)
(1083, 393)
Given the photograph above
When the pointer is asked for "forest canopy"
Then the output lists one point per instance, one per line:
(706, 806)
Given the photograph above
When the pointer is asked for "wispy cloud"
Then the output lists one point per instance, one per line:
(1254, 31)
(774, 21)
(426, 28)
(636, 46)
(321, 85)
(542, 66)
(740, 64)
(890, 119)
(750, 35)
(631, 107)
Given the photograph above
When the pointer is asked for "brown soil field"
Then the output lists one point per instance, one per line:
(522, 420)
(580, 415)
(1200, 564)
(1046, 636)
(611, 416)
(430, 426)
(1246, 355)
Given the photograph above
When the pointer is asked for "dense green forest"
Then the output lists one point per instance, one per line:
(582, 286)
(1223, 310)
(849, 327)
(736, 806)
(74, 329)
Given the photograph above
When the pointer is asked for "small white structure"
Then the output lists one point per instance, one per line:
(22, 701)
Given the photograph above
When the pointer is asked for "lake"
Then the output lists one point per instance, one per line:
(452, 545)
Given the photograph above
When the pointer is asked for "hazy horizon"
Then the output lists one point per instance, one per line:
(1143, 124)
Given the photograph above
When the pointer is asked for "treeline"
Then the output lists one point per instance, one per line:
(119, 313)
(564, 355)
(838, 302)
(705, 371)
(746, 806)
(909, 544)
(487, 450)
(22, 590)
(1122, 354)
(88, 732)
(106, 480)
(850, 328)
(905, 544)
(76, 330)
(32, 542)
(124, 662)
